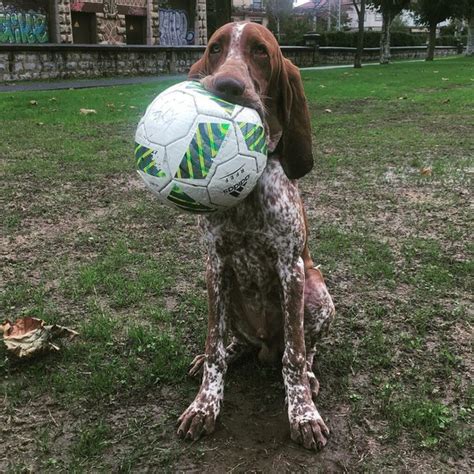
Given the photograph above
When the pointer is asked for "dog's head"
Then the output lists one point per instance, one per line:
(243, 64)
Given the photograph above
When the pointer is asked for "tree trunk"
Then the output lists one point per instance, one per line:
(470, 37)
(432, 42)
(360, 36)
(385, 39)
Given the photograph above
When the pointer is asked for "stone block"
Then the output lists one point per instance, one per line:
(31, 66)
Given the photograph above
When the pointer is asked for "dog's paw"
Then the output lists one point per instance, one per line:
(197, 365)
(309, 430)
(198, 420)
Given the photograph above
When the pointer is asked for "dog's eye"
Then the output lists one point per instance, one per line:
(261, 50)
(215, 49)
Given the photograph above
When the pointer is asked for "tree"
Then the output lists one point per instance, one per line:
(430, 13)
(359, 6)
(278, 10)
(464, 10)
(389, 9)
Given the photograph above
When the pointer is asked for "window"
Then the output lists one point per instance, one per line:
(136, 29)
(84, 28)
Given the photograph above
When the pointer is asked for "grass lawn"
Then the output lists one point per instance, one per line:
(86, 246)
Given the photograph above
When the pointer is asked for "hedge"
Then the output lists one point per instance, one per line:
(372, 39)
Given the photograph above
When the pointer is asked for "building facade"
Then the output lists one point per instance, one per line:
(147, 22)
(250, 10)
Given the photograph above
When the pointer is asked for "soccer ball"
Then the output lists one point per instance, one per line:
(197, 152)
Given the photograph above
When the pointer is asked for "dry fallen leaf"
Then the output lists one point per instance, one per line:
(30, 336)
(427, 171)
(87, 111)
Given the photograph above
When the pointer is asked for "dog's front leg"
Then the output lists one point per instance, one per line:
(200, 417)
(306, 425)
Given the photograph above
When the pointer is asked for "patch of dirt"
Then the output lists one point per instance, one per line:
(253, 433)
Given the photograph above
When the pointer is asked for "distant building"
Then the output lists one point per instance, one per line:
(152, 22)
(338, 13)
(333, 10)
(250, 10)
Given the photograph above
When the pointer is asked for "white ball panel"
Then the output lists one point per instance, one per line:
(169, 118)
(261, 162)
(140, 134)
(246, 114)
(233, 181)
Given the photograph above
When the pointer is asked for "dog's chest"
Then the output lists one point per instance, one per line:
(265, 228)
(254, 241)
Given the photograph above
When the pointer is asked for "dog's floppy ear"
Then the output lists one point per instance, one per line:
(295, 147)
(199, 69)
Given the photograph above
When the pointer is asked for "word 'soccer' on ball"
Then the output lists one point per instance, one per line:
(197, 152)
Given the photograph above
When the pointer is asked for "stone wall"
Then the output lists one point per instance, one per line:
(26, 62)
(75, 61)
(302, 56)
(340, 55)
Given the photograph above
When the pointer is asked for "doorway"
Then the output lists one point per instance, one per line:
(136, 29)
(84, 27)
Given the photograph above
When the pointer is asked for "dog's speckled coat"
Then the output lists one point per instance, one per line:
(264, 291)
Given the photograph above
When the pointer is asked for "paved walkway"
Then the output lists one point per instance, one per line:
(121, 81)
(84, 83)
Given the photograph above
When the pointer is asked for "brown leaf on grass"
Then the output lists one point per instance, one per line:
(87, 111)
(426, 171)
(28, 336)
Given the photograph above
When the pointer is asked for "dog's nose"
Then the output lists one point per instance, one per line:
(229, 86)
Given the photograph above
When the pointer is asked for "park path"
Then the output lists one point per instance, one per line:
(121, 81)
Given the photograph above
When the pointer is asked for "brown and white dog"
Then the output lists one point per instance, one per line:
(263, 289)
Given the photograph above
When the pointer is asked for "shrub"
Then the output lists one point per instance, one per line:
(450, 40)
(371, 39)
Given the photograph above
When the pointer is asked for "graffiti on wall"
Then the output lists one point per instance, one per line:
(174, 28)
(19, 27)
